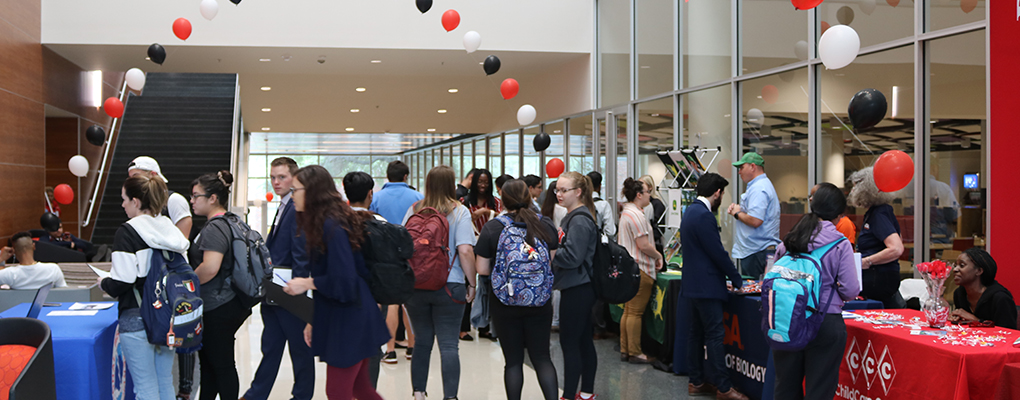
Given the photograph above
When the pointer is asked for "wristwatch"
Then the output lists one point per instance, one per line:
(737, 214)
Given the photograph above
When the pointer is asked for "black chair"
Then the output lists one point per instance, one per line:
(47, 252)
(36, 381)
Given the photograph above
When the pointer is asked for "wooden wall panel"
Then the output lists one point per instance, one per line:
(62, 144)
(22, 199)
(22, 137)
(21, 67)
(25, 16)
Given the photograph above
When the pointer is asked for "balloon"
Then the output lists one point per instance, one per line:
(968, 5)
(893, 171)
(509, 88)
(209, 8)
(755, 117)
(867, 108)
(770, 94)
(471, 41)
(526, 114)
(451, 19)
(893, 3)
(113, 107)
(95, 135)
(554, 168)
(236, 2)
(269, 196)
(50, 222)
(423, 5)
(541, 141)
(801, 50)
(868, 6)
(157, 53)
(839, 46)
(845, 15)
(182, 28)
(135, 78)
(805, 4)
(63, 194)
(78, 165)
(491, 65)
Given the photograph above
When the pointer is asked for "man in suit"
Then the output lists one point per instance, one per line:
(287, 248)
(706, 266)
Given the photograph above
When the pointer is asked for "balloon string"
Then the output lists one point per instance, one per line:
(848, 129)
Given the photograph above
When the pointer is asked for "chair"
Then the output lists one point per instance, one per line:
(36, 380)
(46, 252)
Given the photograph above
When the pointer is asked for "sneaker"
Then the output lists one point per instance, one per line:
(467, 337)
(390, 358)
(578, 397)
(407, 354)
(704, 389)
(732, 394)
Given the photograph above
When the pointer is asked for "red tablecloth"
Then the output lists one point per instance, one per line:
(1009, 384)
(890, 363)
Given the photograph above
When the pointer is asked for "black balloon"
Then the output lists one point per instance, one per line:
(867, 108)
(491, 65)
(541, 141)
(423, 5)
(236, 2)
(50, 222)
(157, 53)
(95, 135)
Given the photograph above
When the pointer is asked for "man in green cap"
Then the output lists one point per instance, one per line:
(757, 215)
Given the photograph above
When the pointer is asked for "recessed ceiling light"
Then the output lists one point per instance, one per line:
(360, 89)
(265, 59)
(645, 67)
(354, 110)
(653, 115)
(267, 109)
(265, 128)
(442, 111)
(481, 63)
(556, 131)
(148, 59)
(376, 61)
(349, 129)
(266, 88)
(453, 90)
(432, 129)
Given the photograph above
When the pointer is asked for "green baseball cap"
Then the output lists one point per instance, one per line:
(752, 158)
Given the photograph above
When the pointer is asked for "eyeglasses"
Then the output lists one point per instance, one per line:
(563, 191)
(292, 190)
(195, 196)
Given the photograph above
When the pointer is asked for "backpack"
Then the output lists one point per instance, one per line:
(170, 304)
(387, 249)
(522, 275)
(252, 263)
(789, 299)
(614, 275)
(431, 263)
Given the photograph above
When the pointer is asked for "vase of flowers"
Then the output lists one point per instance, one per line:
(935, 308)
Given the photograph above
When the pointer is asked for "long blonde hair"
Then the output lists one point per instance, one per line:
(440, 190)
(647, 179)
(584, 183)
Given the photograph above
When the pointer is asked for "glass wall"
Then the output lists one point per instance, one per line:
(769, 32)
(496, 156)
(875, 21)
(511, 159)
(655, 133)
(654, 49)
(531, 157)
(556, 131)
(706, 34)
(614, 51)
(582, 150)
(708, 126)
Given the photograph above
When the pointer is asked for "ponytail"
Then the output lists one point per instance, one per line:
(517, 201)
(150, 191)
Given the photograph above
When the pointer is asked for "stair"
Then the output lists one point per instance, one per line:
(185, 122)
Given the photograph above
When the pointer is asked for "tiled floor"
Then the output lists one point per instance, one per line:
(481, 373)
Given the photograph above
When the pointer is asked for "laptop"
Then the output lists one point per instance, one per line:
(40, 298)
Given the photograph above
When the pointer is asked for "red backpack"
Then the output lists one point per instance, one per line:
(431, 261)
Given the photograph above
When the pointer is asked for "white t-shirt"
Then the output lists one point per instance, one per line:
(178, 208)
(32, 276)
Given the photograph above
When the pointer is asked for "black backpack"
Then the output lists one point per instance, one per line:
(387, 250)
(614, 275)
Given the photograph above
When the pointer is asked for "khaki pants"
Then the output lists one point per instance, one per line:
(630, 322)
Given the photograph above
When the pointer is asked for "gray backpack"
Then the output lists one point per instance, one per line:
(252, 264)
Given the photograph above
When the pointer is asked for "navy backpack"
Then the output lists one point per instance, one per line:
(170, 304)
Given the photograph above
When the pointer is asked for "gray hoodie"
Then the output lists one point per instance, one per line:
(577, 250)
(838, 263)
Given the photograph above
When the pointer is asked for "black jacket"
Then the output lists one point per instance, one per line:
(996, 304)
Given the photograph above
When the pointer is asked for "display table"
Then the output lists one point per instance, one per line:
(87, 359)
(1009, 383)
(887, 362)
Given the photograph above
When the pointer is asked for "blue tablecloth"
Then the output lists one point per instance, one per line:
(87, 359)
(863, 305)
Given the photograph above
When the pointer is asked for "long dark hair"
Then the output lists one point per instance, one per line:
(827, 204)
(474, 193)
(549, 205)
(218, 184)
(983, 260)
(323, 203)
(517, 201)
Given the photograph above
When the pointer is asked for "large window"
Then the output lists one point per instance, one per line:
(614, 50)
(654, 47)
(511, 162)
(706, 41)
(496, 156)
(709, 126)
(949, 13)
(581, 147)
(655, 133)
(531, 157)
(874, 21)
(769, 33)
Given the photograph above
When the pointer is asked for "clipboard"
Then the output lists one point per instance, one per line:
(301, 306)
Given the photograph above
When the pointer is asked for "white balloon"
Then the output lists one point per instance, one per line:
(78, 165)
(801, 50)
(755, 118)
(526, 114)
(135, 78)
(209, 9)
(839, 46)
(867, 6)
(472, 40)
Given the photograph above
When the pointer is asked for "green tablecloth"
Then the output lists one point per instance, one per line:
(654, 318)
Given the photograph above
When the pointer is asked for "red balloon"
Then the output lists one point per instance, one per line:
(805, 4)
(269, 196)
(770, 94)
(554, 168)
(893, 171)
(893, 3)
(182, 28)
(825, 27)
(451, 20)
(113, 107)
(63, 194)
(509, 88)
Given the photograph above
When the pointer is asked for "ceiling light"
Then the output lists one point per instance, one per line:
(148, 59)
(349, 129)
(432, 129)
(653, 115)
(265, 128)
(267, 109)
(354, 110)
(360, 89)
(266, 88)
(453, 90)
(645, 67)
(265, 59)
(442, 111)
(556, 131)
(376, 61)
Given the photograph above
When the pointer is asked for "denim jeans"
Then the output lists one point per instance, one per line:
(435, 316)
(707, 331)
(151, 366)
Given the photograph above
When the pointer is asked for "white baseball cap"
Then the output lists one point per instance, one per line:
(146, 163)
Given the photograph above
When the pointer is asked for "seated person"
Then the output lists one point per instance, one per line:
(980, 297)
(63, 239)
(30, 274)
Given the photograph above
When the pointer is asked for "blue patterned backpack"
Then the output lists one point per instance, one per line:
(522, 276)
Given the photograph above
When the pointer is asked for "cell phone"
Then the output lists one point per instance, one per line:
(51, 305)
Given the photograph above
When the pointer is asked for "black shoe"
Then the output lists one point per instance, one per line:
(399, 346)
(487, 335)
(390, 358)
(467, 338)
(407, 354)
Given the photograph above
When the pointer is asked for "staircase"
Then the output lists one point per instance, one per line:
(186, 122)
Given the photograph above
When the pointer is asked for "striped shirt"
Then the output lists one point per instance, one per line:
(634, 227)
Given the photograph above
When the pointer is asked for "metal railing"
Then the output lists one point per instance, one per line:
(101, 175)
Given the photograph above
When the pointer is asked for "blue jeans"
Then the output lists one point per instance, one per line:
(436, 316)
(151, 366)
(707, 331)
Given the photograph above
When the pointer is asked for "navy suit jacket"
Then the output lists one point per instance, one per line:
(287, 245)
(706, 262)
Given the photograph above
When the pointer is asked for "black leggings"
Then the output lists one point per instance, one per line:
(579, 357)
(216, 359)
(520, 328)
